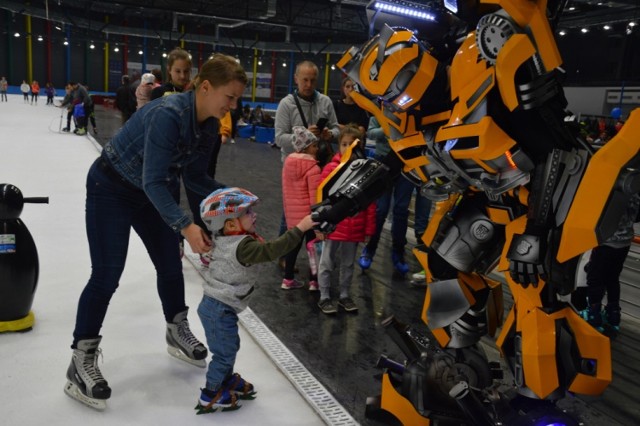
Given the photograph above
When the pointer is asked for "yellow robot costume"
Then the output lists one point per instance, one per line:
(518, 190)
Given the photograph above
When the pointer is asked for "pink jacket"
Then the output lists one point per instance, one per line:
(355, 228)
(300, 180)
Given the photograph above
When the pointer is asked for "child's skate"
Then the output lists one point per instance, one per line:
(182, 344)
(210, 401)
(85, 382)
(239, 387)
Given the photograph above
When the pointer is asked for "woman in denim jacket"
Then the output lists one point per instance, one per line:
(135, 184)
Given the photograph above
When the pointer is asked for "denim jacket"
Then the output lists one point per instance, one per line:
(160, 144)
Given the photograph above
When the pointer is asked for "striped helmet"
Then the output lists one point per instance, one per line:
(223, 204)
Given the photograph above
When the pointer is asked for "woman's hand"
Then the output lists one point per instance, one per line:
(197, 238)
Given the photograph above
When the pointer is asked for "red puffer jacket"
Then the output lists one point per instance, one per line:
(356, 228)
(300, 180)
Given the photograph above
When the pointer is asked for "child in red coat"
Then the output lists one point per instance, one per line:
(342, 243)
(300, 180)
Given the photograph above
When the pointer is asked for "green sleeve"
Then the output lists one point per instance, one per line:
(251, 251)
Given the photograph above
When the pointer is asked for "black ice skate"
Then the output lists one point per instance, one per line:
(85, 382)
(182, 344)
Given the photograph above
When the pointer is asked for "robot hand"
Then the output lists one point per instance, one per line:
(525, 259)
(349, 190)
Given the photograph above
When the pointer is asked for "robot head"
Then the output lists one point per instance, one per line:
(393, 67)
(223, 204)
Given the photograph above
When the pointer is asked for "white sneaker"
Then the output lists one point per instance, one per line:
(232, 140)
(419, 276)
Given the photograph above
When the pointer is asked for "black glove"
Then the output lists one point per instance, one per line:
(525, 256)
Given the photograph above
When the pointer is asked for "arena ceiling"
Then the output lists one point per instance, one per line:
(329, 26)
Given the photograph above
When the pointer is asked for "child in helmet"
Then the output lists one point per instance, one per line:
(228, 214)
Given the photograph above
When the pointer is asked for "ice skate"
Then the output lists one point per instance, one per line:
(85, 382)
(182, 344)
(239, 387)
(210, 401)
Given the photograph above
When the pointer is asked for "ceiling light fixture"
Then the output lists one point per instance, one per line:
(17, 34)
(65, 42)
(40, 38)
(116, 49)
(562, 32)
(140, 52)
(607, 27)
(164, 55)
(92, 46)
(284, 64)
(417, 11)
(260, 62)
(584, 30)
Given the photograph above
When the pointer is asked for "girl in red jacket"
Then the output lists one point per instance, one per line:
(342, 243)
(300, 180)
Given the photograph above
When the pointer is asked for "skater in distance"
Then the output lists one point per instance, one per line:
(135, 184)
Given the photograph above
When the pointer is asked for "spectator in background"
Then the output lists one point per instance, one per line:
(50, 91)
(143, 92)
(179, 72)
(81, 95)
(157, 73)
(3, 89)
(347, 111)
(603, 273)
(400, 193)
(300, 180)
(125, 100)
(305, 107)
(257, 116)
(35, 91)
(25, 88)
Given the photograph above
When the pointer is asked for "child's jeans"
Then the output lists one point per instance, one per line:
(220, 323)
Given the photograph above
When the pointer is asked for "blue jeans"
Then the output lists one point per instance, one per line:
(220, 323)
(112, 209)
(400, 192)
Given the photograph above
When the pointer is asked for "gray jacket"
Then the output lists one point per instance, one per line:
(288, 115)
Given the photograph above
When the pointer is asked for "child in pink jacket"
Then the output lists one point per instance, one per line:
(300, 180)
(342, 243)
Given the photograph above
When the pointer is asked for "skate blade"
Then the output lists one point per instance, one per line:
(74, 392)
(203, 410)
(177, 353)
(246, 396)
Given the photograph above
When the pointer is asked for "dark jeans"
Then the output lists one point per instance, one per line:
(113, 207)
(400, 193)
(422, 210)
(603, 274)
(292, 256)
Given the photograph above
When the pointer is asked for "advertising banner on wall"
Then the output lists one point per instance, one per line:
(263, 85)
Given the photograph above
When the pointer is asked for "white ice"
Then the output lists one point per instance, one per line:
(149, 386)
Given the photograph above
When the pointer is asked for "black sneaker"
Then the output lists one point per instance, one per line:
(327, 306)
(347, 304)
(66, 129)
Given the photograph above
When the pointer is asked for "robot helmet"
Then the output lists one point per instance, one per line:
(223, 204)
(394, 66)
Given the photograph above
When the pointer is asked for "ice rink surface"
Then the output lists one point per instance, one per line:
(149, 386)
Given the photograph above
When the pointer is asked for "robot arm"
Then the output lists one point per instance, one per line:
(349, 189)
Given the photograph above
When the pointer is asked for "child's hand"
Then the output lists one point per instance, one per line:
(306, 223)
